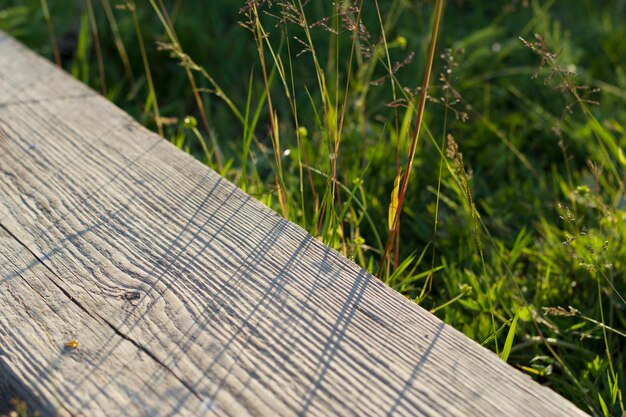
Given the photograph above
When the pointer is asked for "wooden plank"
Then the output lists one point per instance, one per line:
(189, 297)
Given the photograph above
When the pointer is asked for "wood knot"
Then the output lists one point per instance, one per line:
(131, 295)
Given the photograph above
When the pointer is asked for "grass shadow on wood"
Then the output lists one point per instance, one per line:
(400, 399)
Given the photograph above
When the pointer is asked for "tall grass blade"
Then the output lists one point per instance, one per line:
(508, 343)
(51, 34)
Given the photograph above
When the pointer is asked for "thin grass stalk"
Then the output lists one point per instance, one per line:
(321, 80)
(333, 169)
(50, 26)
(247, 137)
(327, 212)
(199, 102)
(396, 252)
(169, 28)
(301, 149)
(274, 133)
(604, 335)
(146, 65)
(429, 279)
(117, 38)
(290, 94)
(96, 38)
(416, 131)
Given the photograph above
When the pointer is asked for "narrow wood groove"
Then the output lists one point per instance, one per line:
(40, 101)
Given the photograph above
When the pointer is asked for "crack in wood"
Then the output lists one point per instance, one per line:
(97, 317)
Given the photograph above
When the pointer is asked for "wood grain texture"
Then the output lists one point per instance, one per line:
(187, 296)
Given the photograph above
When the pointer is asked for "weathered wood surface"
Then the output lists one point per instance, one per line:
(187, 296)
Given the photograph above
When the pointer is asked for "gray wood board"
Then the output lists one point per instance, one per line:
(189, 297)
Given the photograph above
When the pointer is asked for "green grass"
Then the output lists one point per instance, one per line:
(502, 189)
